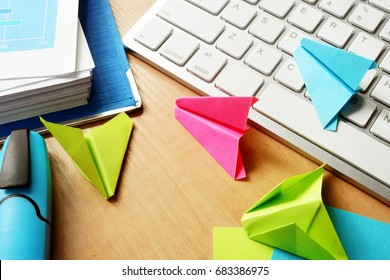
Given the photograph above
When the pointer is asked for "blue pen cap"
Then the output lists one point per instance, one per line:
(25, 209)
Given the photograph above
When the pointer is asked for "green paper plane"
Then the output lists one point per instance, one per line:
(292, 217)
(98, 153)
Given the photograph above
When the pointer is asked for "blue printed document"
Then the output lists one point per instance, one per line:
(28, 27)
(38, 38)
(45, 58)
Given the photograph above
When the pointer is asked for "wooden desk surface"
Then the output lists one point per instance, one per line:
(171, 192)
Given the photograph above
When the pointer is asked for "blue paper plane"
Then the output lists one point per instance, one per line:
(331, 76)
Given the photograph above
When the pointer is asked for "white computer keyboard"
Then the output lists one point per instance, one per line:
(244, 48)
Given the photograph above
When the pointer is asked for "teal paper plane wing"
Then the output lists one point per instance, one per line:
(99, 153)
(293, 218)
(331, 76)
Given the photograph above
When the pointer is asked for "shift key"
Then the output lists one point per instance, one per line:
(192, 20)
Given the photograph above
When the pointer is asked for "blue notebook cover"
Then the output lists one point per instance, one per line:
(111, 91)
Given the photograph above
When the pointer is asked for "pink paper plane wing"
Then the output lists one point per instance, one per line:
(217, 128)
(230, 111)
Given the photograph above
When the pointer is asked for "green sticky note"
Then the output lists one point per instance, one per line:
(232, 243)
(99, 153)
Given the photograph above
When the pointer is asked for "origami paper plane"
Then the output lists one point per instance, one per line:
(331, 76)
(99, 152)
(293, 218)
(363, 238)
(217, 123)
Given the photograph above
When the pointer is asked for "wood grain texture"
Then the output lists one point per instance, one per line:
(171, 193)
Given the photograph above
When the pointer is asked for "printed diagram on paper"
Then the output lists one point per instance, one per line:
(27, 27)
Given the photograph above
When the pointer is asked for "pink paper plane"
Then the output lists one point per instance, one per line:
(217, 123)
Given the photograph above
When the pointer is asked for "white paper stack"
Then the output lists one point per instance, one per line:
(46, 73)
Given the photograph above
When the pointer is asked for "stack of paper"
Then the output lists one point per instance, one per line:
(46, 64)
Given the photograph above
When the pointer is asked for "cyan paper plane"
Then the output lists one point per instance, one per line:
(331, 76)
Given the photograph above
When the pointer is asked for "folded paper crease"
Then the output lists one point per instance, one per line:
(332, 76)
(99, 152)
(217, 123)
(293, 218)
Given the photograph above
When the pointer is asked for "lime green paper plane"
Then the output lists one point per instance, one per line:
(292, 217)
(99, 153)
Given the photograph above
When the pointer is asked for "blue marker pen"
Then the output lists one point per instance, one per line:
(25, 197)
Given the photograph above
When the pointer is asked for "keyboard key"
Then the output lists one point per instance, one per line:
(310, 1)
(381, 126)
(338, 8)
(381, 4)
(234, 43)
(385, 32)
(289, 76)
(366, 46)
(239, 80)
(212, 6)
(385, 64)
(366, 17)
(335, 32)
(253, 2)
(381, 91)
(267, 27)
(179, 48)
(263, 59)
(368, 79)
(291, 41)
(307, 95)
(192, 20)
(239, 14)
(206, 63)
(348, 143)
(153, 34)
(306, 18)
(358, 110)
(277, 8)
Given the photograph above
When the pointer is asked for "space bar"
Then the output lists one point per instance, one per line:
(348, 143)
